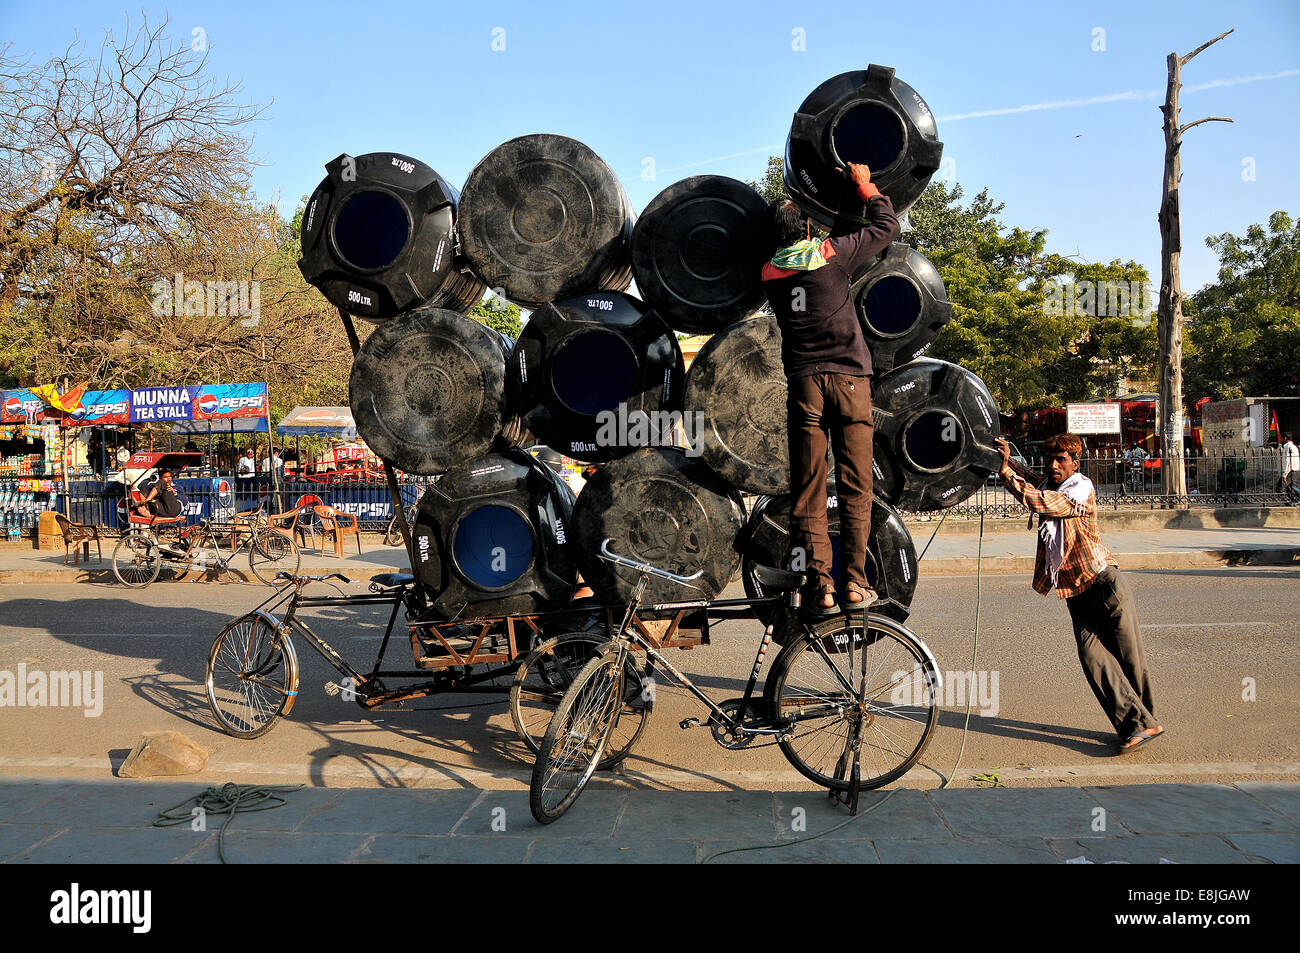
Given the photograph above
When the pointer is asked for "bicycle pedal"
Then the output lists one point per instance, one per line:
(333, 688)
(688, 723)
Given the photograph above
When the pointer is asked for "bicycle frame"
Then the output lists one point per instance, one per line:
(739, 607)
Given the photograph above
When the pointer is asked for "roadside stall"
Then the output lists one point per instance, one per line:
(351, 478)
(36, 454)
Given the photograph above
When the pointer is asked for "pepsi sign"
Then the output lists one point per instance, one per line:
(223, 401)
(16, 407)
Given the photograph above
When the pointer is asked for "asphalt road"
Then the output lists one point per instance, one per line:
(1212, 636)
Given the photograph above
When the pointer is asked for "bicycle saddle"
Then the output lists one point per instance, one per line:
(782, 580)
(389, 579)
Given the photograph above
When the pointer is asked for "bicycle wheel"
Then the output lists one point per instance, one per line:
(393, 535)
(815, 687)
(548, 671)
(576, 738)
(136, 559)
(252, 674)
(272, 551)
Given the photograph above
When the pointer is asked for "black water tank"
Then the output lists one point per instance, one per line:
(427, 389)
(902, 305)
(935, 427)
(377, 238)
(492, 538)
(578, 361)
(864, 116)
(891, 556)
(698, 251)
(661, 507)
(543, 217)
(737, 387)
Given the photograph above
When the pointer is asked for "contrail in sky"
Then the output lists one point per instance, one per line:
(730, 155)
(1135, 94)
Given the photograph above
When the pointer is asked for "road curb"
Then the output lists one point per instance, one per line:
(1128, 521)
(950, 565)
(1191, 559)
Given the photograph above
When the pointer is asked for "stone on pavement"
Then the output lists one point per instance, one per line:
(164, 754)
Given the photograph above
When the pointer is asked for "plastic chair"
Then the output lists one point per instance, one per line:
(76, 539)
(340, 524)
(308, 521)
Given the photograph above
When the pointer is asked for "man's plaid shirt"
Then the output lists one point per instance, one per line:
(1083, 555)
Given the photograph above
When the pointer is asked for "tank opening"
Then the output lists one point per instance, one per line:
(593, 371)
(869, 134)
(493, 546)
(891, 306)
(933, 440)
(371, 230)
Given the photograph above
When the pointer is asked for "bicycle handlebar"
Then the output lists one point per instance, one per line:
(645, 567)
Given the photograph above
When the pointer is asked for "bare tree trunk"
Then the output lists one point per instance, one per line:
(1173, 474)
(1169, 316)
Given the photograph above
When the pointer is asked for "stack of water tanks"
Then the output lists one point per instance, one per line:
(598, 374)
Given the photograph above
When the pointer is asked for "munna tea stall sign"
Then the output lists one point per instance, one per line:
(198, 402)
(154, 404)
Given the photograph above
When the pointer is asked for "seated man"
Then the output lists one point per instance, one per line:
(161, 502)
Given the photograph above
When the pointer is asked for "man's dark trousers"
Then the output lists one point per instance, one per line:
(840, 404)
(1110, 648)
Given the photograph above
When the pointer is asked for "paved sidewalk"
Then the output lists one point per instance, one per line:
(1013, 551)
(1007, 547)
(58, 820)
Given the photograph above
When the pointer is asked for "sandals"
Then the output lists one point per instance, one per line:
(1138, 739)
(866, 595)
(815, 604)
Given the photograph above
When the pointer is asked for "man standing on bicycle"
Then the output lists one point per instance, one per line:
(1072, 560)
(828, 372)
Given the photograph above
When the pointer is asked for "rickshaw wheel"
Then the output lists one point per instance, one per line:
(546, 674)
(137, 560)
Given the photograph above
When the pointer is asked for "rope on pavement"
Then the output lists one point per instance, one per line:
(974, 650)
(804, 840)
(230, 799)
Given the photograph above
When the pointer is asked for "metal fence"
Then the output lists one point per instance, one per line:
(1249, 477)
(100, 503)
(1244, 478)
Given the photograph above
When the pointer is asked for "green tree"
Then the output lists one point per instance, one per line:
(770, 185)
(498, 314)
(1039, 329)
(938, 222)
(1243, 331)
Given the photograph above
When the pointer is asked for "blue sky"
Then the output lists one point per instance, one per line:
(1067, 134)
